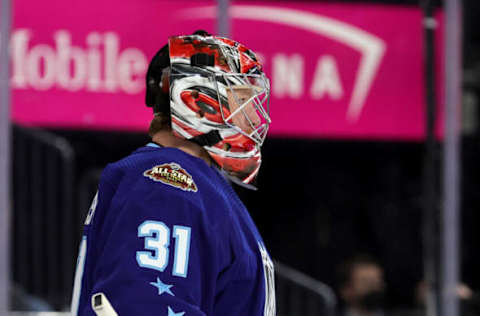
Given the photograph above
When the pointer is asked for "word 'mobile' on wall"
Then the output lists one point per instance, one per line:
(99, 66)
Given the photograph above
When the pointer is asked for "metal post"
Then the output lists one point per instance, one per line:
(430, 218)
(223, 18)
(451, 183)
(4, 155)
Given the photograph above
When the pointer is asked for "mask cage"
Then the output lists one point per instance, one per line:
(248, 98)
(230, 102)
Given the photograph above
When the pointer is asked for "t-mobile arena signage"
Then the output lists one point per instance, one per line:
(337, 71)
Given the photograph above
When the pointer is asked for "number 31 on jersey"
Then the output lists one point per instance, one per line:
(157, 240)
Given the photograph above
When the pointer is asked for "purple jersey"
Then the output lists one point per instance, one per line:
(167, 235)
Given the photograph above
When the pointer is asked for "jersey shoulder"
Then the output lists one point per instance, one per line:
(152, 174)
(168, 166)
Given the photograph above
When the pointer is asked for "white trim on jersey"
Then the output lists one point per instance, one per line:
(77, 287)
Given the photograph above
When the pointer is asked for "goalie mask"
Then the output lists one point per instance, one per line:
(219, 99)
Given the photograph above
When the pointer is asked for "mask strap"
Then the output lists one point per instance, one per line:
(209, 139)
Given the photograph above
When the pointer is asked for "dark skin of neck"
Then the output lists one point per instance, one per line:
(166, 138)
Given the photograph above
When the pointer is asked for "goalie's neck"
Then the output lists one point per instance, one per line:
(166, 138)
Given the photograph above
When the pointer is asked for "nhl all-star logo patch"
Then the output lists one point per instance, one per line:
(172, 174)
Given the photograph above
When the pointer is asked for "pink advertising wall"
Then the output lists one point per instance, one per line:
(337, 71)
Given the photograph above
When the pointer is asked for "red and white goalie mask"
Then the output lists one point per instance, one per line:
(219, 98)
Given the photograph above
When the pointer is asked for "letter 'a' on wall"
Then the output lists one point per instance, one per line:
(344, 74)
